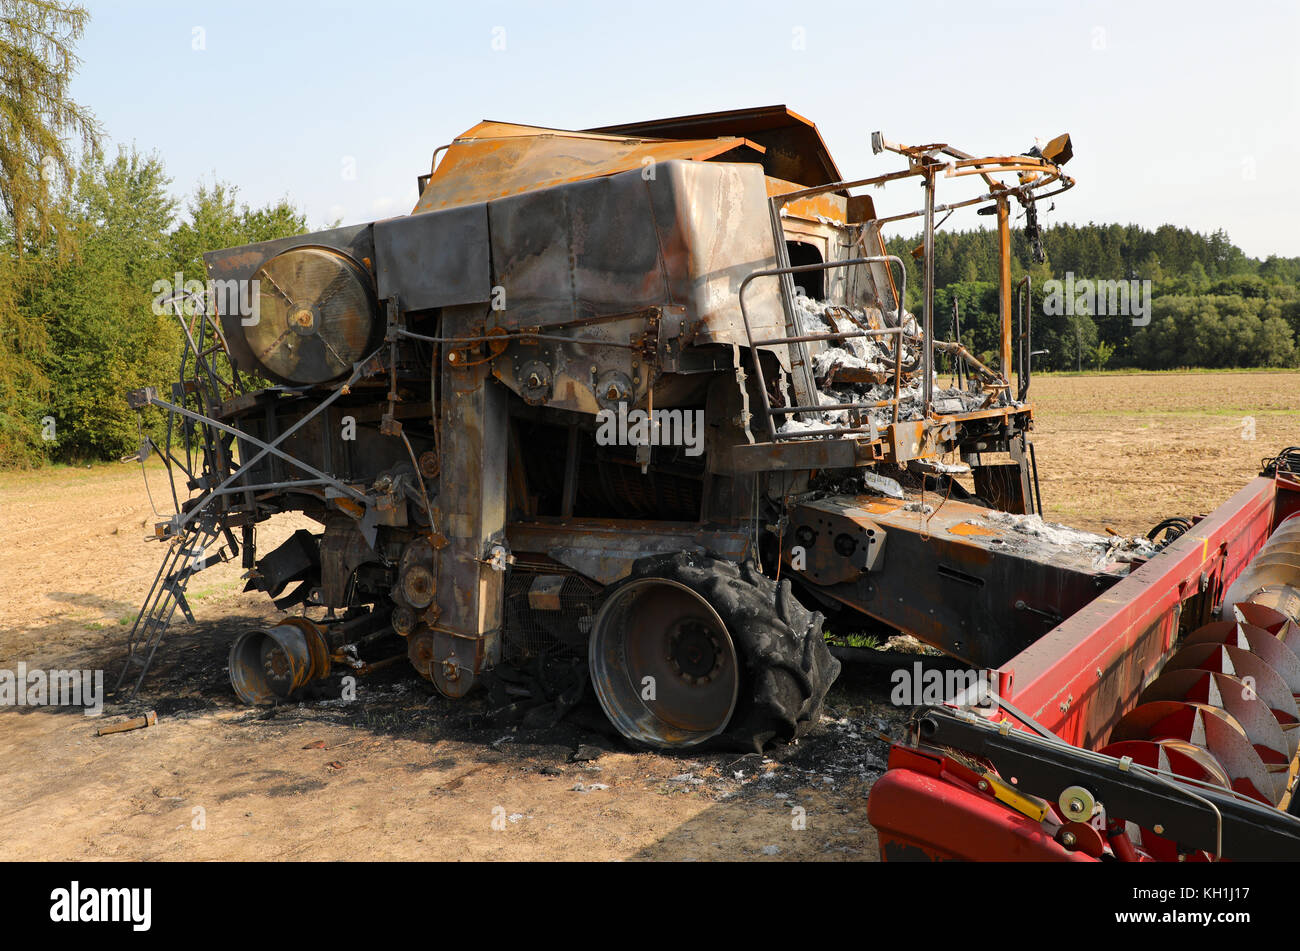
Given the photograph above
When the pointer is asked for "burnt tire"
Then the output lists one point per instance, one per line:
(786, 667)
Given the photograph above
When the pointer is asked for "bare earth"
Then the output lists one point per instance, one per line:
(1127, 450)
(401, 773)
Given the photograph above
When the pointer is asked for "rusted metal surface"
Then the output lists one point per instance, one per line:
(471, 514)
(827, 208)
(605, 549)
(793, 148)
(274, 663)
(1004, 286)
(896, 443)
(237, 266)
(619, 244)
(496, 159)
(317, 315)
(438, 259)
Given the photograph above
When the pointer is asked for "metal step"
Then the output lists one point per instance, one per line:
(165, 595)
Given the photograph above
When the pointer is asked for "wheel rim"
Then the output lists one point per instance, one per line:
(269, 664)
(662, 630)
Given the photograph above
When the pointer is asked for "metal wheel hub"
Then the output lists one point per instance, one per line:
(694, 651)
(274, 661)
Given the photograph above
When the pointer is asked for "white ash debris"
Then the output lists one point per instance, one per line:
(832, 358)
(946, 468)
(860, 353)
(886, 486)
(832, 417)
(795, 426)
(865, 481)
(944, 400)
(1107, 548)
(1048, 531)
(875, 355)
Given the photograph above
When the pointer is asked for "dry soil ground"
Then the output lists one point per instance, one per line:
(1127, 450)
(401, 773)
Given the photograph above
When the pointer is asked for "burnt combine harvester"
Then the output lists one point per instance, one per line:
(649, 398)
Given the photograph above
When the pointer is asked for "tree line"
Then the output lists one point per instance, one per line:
(1210, 305)
(78, 328)
(83, 239)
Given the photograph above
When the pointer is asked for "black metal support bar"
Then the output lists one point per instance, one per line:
(956, 335)
(1038, 493)
(927, 334)
(1025, 335)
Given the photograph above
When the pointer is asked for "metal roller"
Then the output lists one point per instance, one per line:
(1263, 680)
(1277, 654)
(1275, 622)
(1272, 579)
(1234, 697)
(1224, 708)
(1214, 730)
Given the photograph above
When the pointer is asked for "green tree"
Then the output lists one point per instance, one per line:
(216, 220)
(1103, 354)
(23, 383)
(36, 66)
(105, 338)
(37, 63)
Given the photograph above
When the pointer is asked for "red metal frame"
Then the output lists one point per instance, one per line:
(930, 808)
(1077, 680)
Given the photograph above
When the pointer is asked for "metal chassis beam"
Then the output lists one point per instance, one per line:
(265, 448)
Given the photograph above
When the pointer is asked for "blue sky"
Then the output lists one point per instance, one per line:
(1180, 112)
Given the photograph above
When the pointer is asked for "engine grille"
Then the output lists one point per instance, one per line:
(528, 632)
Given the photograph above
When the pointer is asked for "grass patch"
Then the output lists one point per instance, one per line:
(869, 641)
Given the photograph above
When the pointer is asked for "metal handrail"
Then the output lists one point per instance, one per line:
(897, 331)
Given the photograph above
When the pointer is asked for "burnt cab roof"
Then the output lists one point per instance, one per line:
(495, 159)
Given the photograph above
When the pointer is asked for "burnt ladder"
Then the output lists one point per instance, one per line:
(200, 383)
(186, 557)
